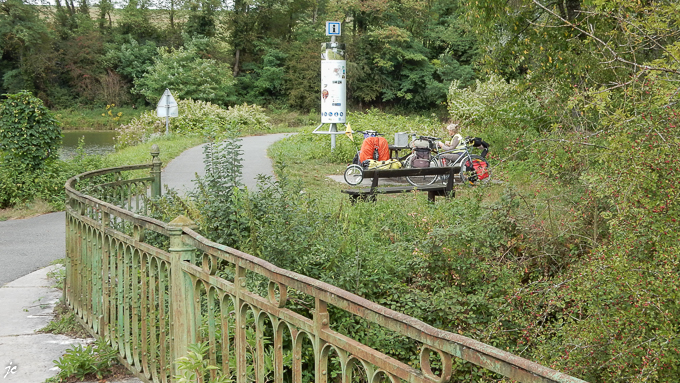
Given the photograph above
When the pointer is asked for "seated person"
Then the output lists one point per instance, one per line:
(456, 145)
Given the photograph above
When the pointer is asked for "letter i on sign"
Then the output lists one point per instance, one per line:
(332, 28)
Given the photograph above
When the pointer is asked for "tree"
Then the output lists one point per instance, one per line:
(612, 69)
(135, 20)
(105, 9)
(187, 74)
(202, 18)
(81, 58)
(25, 45)
(131, 59)
(406, 54)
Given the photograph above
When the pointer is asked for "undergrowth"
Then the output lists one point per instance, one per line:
(94, 360)
(65, 323)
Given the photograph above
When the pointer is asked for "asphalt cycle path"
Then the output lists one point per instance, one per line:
(181, 172)
(28, 246)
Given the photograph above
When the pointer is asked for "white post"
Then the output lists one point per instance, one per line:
(167, 115)
(334, 128)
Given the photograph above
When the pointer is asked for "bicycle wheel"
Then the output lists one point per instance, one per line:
(474, 171)
(421, 180)
(354, 174)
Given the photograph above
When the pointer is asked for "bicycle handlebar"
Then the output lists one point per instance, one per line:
(429, 138)
(371, 132)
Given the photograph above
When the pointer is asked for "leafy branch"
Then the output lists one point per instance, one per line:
(615, 55)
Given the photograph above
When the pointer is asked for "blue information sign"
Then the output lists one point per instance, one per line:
(332, 28)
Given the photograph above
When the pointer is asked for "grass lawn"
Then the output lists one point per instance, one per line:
(308, 159)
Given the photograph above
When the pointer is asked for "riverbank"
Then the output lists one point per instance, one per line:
(109, 117)
(112, 117)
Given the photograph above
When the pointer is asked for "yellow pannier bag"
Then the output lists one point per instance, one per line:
(389, 164)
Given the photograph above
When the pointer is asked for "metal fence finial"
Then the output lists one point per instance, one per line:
(156, 172)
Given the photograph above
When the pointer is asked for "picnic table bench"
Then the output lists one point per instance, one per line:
(436, 189)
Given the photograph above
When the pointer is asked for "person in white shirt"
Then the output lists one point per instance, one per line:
(456, 145)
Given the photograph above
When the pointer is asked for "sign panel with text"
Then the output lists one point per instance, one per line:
(333, 91)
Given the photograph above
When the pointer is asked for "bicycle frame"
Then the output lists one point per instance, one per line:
(464, 154)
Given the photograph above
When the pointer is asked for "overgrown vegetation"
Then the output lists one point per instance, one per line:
(571, 261)
(198, 118)
(534, 265)
(195, 367)
(64, 322)
(93, 360)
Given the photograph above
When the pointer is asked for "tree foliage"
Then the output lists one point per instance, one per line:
(29, 133)
(610, 133)
(270, 48)
(188, 74)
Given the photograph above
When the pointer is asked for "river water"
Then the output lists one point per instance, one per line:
(96, 142)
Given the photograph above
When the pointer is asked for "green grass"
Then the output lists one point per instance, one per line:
(308, 159)
(170, 147)
(96, 119)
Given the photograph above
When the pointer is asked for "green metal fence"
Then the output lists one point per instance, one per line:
(152, 288)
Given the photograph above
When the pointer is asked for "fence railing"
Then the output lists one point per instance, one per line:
(152, 288)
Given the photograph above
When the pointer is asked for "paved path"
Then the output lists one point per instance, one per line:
(28, 246)
(181, 172)
(27, 305)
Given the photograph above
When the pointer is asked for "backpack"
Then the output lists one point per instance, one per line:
(422, 144)
(422, 158)
(375, 148)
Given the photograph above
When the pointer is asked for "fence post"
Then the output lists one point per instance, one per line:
(155, 172)
(321, 319)
(183, 326)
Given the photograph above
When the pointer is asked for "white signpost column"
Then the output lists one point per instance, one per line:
(333, 83)
(167, 107)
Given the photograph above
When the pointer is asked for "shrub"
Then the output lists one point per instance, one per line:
(499, 111)
(29, 133)
(248, 118)
(79, 362)
(20, 184)
(195, 117)
(195, 368)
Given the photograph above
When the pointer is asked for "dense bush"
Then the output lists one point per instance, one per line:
(29, 134)
(29, 143)
(20, 184)
(195, 117)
